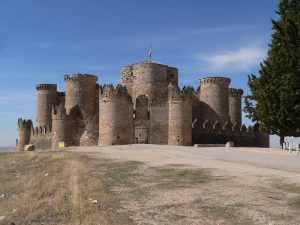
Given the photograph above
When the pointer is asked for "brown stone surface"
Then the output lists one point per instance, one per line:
(24, 133)
(81, 91)
(180, 116)
(141, 121)
(235, 106)
(115, 116)
(159, 118)
(47, 97)
(59, 126)
(214, 97)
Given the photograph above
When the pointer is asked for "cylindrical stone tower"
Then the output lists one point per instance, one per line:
(180, 116)
(59, 121)
(150, 79)
(24, 133)
(47, 97)
(235, 106)
(81, 91)
(115, 116)
(214, 97)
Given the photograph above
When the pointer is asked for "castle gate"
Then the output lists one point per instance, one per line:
(141, 135)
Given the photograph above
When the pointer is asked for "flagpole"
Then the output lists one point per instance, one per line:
(150, 54)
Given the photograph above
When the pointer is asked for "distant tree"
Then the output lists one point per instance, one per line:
(274, 102)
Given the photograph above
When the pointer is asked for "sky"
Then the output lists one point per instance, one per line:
(40, 41)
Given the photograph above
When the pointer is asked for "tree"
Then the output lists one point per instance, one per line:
(274, 102)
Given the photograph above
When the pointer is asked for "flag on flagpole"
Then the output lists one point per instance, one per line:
(150, 54)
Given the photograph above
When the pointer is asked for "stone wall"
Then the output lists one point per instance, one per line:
(159, 118)
(141, 121)
(41, 138)
(213, 132)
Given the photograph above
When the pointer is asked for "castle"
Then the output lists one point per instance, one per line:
(147, 107)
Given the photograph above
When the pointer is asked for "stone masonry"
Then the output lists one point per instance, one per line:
(147, 107)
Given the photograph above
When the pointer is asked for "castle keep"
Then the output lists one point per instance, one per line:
(147, 107)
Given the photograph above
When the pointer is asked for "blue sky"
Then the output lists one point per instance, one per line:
(40, 41)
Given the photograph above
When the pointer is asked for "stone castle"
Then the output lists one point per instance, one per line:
(147, 107)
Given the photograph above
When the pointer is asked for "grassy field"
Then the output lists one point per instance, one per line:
(76, 188)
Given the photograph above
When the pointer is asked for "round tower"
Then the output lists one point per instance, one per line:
(47, 96)
(24, 133)
(59, 120)
(235, 105)
(150, 79)
(115, 116)
(180, 116)
(81, 91)
(214, 97)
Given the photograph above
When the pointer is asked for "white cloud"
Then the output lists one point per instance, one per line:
(242, 59)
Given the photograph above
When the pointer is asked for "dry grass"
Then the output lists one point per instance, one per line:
(54, 188)
(292, 190)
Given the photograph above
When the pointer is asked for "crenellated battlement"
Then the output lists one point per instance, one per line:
(176, 94)
(59, 112)
(42, 130)
(40, 87)
(227, 127)
(215, 80)
(61, 94)
(24, 124)
(111, 93)
(80, 77)
(235, 92)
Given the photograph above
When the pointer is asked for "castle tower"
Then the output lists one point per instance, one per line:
(214, 97)
(115, 116)
(47, 96)
(24, 133)
(141, 120)
(59, 120)
(180, 116)
(150, 79)
(235, 106)
(81, 91)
